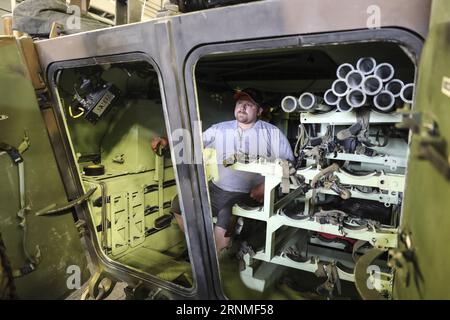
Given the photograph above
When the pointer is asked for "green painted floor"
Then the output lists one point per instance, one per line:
(161, 255)
(164, 255)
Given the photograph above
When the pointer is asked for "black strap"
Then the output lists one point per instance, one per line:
(15, 155)
(24, 270)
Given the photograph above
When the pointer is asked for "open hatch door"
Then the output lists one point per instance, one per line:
(422, 262)
(41, 256)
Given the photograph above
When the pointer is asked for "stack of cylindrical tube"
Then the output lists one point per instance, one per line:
(368, 84)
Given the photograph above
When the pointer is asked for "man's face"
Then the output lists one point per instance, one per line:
(246, 111)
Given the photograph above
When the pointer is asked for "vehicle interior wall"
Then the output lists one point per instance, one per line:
(112, 112)
(290, 72)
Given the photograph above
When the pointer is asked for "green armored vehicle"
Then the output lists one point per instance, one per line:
(359, 88)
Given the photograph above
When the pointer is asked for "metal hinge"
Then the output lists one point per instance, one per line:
(43, 99)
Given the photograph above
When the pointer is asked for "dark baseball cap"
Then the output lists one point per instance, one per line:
(252, 94)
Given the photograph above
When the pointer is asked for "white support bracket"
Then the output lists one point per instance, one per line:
(383, 181)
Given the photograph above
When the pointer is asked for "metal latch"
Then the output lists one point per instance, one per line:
(100, 286)
(335, 185)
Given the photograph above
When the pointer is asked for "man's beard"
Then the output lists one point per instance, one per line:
(243, 118)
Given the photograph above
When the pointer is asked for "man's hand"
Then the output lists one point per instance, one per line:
(257, 193)
(159, 141)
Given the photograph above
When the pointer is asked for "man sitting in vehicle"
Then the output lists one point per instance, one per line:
(249, 136)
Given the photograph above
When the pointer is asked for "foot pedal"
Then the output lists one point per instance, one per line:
(163, 221)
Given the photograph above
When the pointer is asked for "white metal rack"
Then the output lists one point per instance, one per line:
(387, 188)
(274, 174)
(391, 162)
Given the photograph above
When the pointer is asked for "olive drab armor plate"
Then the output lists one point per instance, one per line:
(49, 261)
(422, 263)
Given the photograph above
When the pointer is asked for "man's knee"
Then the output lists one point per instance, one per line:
(179, 220)
(222, 241)
(224, 218)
